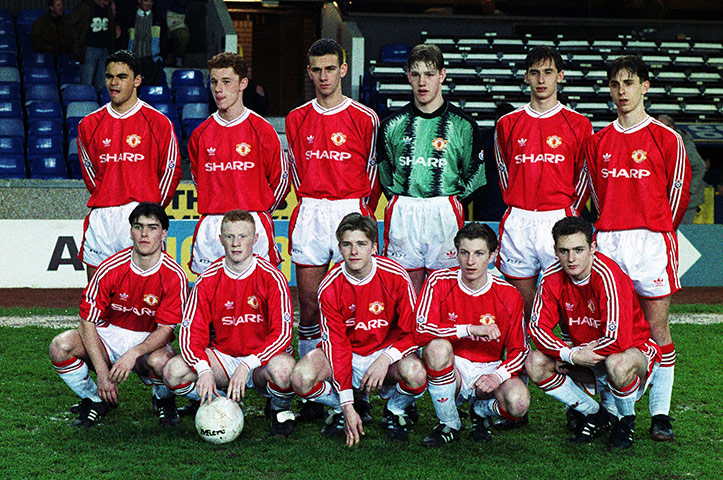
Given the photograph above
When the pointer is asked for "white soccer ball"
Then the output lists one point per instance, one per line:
(220, 421)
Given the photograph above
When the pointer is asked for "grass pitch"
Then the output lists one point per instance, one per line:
(37, 439)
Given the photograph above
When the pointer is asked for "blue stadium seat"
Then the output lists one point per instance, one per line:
(190, 94)
(194, 110)
(74, 160)
(66, 62)
(48, 166)
(169, 110)
(44, 127)
(8, 59)
(39, 145)
(44, 110)
(154, 94)
(104, 96)
(10, 91)
(12, 127)
(12, 158)
(41, 92)
(9, 75)
(395, 53)
(39, 75)
(79, 109)
(11, 109)
(28, 16)
(7, 28)
(68, 77)
(189, 125)
(78, 93)
(187, 78)
(6, 15)
(8, 43)
(31, 58)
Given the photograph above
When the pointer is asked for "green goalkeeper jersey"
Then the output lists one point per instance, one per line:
(430, 154)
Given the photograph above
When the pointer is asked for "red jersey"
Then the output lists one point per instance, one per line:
(243, 152)
(123, 295)
(538, 158)
(602, 307)
(446, 308)
(365, 316)
(332, 152)
(640, 176)
(250, 312)
(131, 156)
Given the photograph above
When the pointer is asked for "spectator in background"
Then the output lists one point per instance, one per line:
(173, 14)
(254, 97)
(93, 22)
(145, 36)
(50, 33)
(697, 167)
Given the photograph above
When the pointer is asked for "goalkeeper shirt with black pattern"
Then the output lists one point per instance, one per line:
(427, 155)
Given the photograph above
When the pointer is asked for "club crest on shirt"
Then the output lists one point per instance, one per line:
(487, 319)
(123, 296)
(376, 307)
(554, 141)
(591, 306)
(150, 299)
(607, 157)
(338, 138)
(639, 156)
(521, 142)
(133, 140)
(229, 304)
(243, 149)
(253, 301)
(106, 142)
(439, 144)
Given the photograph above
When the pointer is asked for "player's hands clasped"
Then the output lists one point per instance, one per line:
(586, 356)
(488, 383)
(491, 332)
(237, 384)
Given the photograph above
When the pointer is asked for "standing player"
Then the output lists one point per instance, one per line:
(472, 326)
(594, 302)
(537, 148)
(367, 315)
(127, 316)
(430, 159)
(245, 300)
(331, 152)
(235, 147)
(641, 187)
(129, 154)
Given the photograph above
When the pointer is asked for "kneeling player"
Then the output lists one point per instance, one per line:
(127, 316)
(246, 301)
(595, 303)
(367, 315)
(470, 319)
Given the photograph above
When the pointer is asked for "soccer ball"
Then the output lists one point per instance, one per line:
(220, 421)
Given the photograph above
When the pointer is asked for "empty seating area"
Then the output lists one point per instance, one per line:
(42, 102)
(483, 72)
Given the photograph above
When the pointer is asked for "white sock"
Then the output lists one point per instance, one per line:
(442, 388)
(76, 375)
(562, 388)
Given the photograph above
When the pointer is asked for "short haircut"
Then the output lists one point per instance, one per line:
(570, 226)
(475, 230)
(633, 64)
(541, 53)
(229, 59)
(356, 221)
(327, 46)
(50, 3)
(148, 209)
(428, 54)
(238, 215)
(127, 57)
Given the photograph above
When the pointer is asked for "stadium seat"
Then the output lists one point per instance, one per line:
(170, 111)
(12, 158)
(9, 75)
(10, 91)
(6, 15)
(68, 77)
(154, 94)
(39, 145)
(78, 93)
(8, 59)
(8, 43)
(74, 113)
(195, 110)
(395, 53)
(44, 110)
(39, 75)
(12, 127)
(41, 92)
(74, 165)
(28, 17)
(48, 166)
(31, 58)
(10, 109)
(190, 94)
(104, 96)
(190, 125)
(186, 78)
(44, 127)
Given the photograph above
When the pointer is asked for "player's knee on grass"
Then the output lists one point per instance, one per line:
(539, 366)
(176, 371)
(438, 354)
(412, 371)
(279, 369)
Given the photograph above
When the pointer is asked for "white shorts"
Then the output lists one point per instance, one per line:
(312, 229)
(359, 366)
(526, 245)
(207, 247)
(229, 365)
(419, 232)
(106, 231)
(649, 258)
(469, 372)
(117, 341)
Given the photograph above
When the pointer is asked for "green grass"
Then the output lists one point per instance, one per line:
(37, 440)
